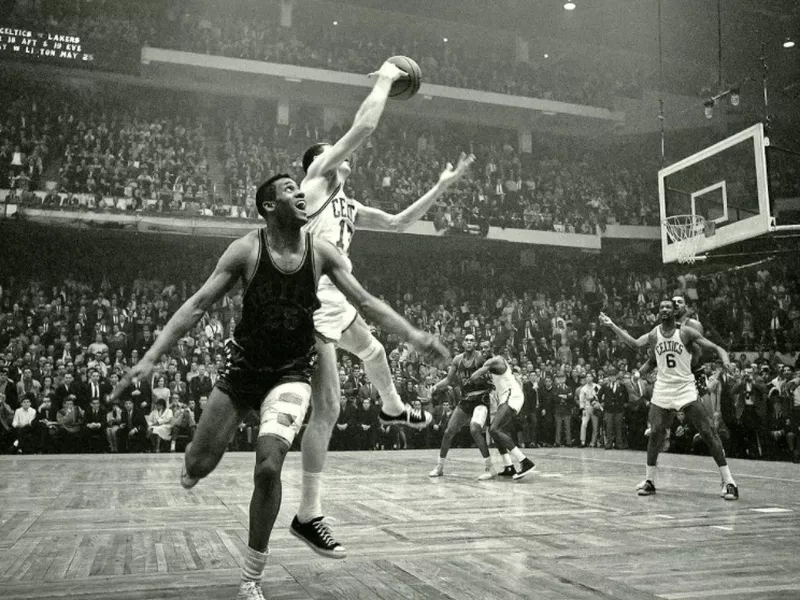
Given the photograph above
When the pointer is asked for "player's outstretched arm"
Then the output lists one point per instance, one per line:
(373, 218)
(691, 335)
(332, 264)
(229, 269)
(364, 123)
(451, 373)
(640, 342)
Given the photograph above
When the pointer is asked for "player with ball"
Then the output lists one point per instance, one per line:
(333, 217)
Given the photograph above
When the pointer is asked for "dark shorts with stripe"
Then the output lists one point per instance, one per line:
(473, 400)
(248, 386)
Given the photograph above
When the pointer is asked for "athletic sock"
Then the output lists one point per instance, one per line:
(488, 462)
(392, 404)
(254, 563)
(377, 369)
(441, 462)
(506, 460)
(651, 473)
(310, 500)
(517, 454)
(726, 475)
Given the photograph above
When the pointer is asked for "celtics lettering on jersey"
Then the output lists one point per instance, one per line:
(335, 221)
(673, 359)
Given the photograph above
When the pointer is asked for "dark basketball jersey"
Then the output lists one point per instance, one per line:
(277, 324)
(465, 369)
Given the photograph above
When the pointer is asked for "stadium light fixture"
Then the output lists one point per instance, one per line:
(335, 23)
(788, 43)
(445, 40)
(570, 6)
(709, 108)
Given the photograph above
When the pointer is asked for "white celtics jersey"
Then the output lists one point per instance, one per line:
(505, 384)
(334, 221)
(674, 360)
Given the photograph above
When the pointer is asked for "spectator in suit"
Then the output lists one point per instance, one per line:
(6, 424)
(141, 394)
(613, 397)
(47, 419)
(70, 426)
(365, 426)
(200, 385)
(8, 388)
(681, 435)
(529, 415)
(93, 389)
(750, 398)
(113, 422)
(178, 386)
(441, 417)
(95, 427)
(564, 404)
(343, 432)
(639, 392)
(132, 434)
(547, 404)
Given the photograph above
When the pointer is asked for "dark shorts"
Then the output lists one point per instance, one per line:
(473, 400)
(248, 386)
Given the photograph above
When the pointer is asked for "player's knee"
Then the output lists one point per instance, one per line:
(268, 470)
(475, 429)
(200, 462)
(372, 350)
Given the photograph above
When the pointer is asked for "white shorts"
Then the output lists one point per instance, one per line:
(284, 410)
(479, 415)
(674, 397)
(335, 313)
(514, 399)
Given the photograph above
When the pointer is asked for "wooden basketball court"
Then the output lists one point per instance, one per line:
(121, 527)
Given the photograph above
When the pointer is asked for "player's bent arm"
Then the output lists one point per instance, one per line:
(487, 366)
(693, 336)
(364, 123)
(696, 325)
(648, 366)
(229, 269)
(333, 265)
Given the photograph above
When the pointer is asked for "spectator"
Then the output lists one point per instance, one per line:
(95, 427)
(613, 396)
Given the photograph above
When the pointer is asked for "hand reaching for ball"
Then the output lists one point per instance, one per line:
(389, 71)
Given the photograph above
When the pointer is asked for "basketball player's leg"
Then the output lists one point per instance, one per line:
(281, 416)
(660, 420)
(502, 418)
(325, 394)
(357, 339)
(216, 428)
(458, 419)
(698, 416)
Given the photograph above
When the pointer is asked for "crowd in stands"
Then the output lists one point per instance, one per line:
(65, 341)
(140, 156)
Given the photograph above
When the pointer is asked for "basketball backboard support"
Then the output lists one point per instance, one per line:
(726, 184)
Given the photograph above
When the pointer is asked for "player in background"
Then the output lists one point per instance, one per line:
(510, 401)
(675, 390)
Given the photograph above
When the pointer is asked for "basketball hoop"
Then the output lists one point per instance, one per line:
(685, 231)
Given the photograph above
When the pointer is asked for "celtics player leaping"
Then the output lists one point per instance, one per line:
(675, 390)
(333, 217)
(473, 409)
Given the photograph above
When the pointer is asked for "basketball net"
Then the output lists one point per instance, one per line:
(686, 231)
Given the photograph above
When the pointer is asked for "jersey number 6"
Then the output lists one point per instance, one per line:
(671, 360)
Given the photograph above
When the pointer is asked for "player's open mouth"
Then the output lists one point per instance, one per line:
(300, 204)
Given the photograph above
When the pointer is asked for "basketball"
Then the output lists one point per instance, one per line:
(405, 87)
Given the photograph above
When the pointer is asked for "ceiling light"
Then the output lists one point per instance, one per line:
(570, 6)
(336, 22)
(444, 40)
(709, 108)
(788, 43)
(546, 55)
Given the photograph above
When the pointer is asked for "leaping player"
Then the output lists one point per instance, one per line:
(510, 401)
(675, 390)
(333, 217)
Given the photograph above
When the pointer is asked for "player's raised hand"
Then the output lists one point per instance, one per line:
(389, 71)
(452, 174)
(141, 371)
(605, 320)
(433, 351)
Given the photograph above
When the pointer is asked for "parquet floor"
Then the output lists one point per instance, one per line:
(121, 527)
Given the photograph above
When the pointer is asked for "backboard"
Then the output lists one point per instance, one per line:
(726, 184)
